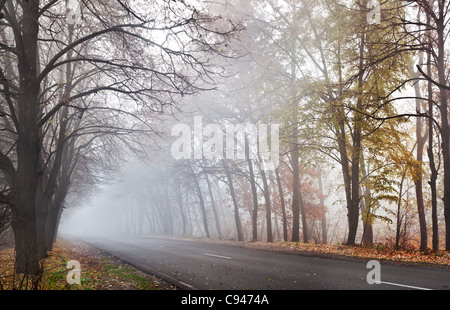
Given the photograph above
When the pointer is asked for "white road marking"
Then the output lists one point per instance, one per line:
(218, 256)
(403, 285)
(165, 276)
(185, 284)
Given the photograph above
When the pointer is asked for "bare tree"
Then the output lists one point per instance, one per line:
(144, 59)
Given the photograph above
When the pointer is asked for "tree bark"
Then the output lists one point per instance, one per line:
(444, 121)
(366, 211)
(202, 206)
(399, 217)
(213, 206)
(295, 194)
(283, 206)
(418, 182)
(237, 218)
(28, 144)
(353, 212)
(26, 246)
(254, 192)
(324, 228)
(341, 136)
(434, 172)
(268, 206)
(180, 204)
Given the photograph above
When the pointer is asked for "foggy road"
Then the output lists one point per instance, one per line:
(208, 266)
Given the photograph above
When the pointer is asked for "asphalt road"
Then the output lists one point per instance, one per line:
(206, 266)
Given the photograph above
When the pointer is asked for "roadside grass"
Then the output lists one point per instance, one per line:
(98, 271)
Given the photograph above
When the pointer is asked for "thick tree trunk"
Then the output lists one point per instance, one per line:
(25, 190)
(25, 185)
(26, 246)
(42, 214)
(366, 207)
(51, 227)
(366, 211)
(54, 212)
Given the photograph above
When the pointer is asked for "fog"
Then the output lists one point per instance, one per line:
(102, 216)
(236, 120)
(143, 198)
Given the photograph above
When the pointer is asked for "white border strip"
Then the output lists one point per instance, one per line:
(403, 285)
(218, 256)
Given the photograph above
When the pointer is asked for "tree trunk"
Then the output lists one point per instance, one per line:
(434, 172)
(341, 137)
(399, 217)
(28, 145)
(324, 233)
(418, 182)
(303, 215)
(268, 206)
(55, 211)
(294, 148)
(283, 206)
(254, 192)
(353, 212)
(295, 193)
(51, 227)
(180, 204)
(213, 206)
(202, 206)
(444, 122)
(237, 218)
(26, 246)
(42, 214)
(366, 211)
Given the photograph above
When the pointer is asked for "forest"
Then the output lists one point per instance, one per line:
(320, 121)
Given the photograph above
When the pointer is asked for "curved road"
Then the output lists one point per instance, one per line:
(209, 266)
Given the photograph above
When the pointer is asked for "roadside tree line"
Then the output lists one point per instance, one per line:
(77, 92)
(366, 102)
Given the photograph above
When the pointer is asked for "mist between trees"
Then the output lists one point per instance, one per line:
(91, 99)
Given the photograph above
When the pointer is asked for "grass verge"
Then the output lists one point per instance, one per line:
(98, 271)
